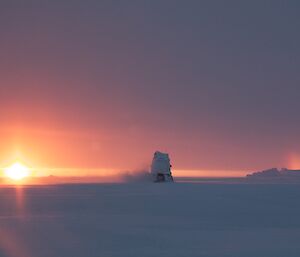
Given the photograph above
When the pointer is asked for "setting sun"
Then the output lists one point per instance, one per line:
(16, 171)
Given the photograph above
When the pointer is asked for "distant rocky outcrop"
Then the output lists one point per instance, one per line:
(276, 173)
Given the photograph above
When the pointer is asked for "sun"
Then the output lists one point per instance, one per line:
(17, 171)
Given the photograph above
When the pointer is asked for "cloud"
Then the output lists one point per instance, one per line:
(136, 176)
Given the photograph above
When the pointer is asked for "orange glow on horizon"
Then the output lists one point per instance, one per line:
(293, 161)
(209, 173)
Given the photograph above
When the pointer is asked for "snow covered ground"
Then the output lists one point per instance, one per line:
(145, 219)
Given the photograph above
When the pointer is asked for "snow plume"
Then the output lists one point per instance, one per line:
(137, 176)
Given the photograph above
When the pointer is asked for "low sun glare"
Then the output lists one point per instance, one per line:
(17, 171)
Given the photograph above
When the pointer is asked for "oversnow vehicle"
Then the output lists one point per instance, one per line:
(161, 167)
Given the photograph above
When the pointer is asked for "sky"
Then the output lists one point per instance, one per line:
(87, 86)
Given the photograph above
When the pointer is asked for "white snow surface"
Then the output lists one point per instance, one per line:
(148, 219)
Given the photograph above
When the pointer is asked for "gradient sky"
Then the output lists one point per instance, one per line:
(103, 84)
